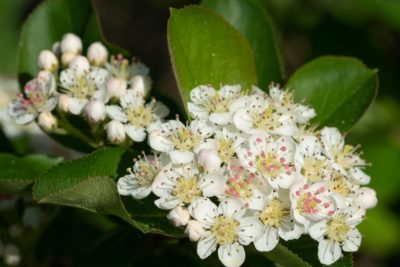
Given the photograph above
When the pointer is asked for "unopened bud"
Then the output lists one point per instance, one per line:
(11, 255)
(47, 121)
(71, 43)
(179, 216)
(66, 58)
(141, 84)
(47, 61)
(209, 160)
(97, 54)
(95, 111)
(366, 197)
(115, 132)
(194, 230)
(80, 64)
(63, 102)
(116, 87)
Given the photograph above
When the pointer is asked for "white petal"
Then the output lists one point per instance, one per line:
(212, 185)
(318, 230)
(331, 138)
(127, 185)
(257, 200)
(67, 78)
(204, 211)
(159, 142)
(328, 251)
(201, 94)
(243, 120)
(206, 245)
(181, 157)
(116, 113)
(268, 240)
(228, 91)
(167, 203)
(358, 176)
(285, 180)
(309, 146)
(197, 111)
(221, 118)
(135, 133)
(353, 241)
(232, 255)
(250, 229)
(50, 105)
(76, 105)
(290, 231)
(230, 207)
(160, 109)
(201, 127)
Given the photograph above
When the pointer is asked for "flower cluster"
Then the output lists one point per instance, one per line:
(109, 92)
(249, 168)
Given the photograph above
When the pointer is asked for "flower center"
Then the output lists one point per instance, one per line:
(338, 229)
(225, 150)
(145, 170)
(240, 183)
(140, 116)
(184, 139)
(340, 185)
(274, 212)
(82, 88)
(311, 202)
(34, 95)
(225, 230)
(265, 120)
(187, 189)
(268, 164)
(312, 168)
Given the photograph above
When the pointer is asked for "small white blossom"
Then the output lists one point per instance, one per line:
(116, 87)
(95, 111)
(194, 230)
(179, 216)
(80, 65)
(115, 132)
(47, 121)
(141, 84)
(97, 54)
(47, 61)
(71, 43)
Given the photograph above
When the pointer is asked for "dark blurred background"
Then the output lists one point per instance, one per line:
(366, 29)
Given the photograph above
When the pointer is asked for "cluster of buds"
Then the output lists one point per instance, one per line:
(109, 92)
(250, 168)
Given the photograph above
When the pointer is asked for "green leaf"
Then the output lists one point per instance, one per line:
(340, 89)
(251, 19)
(47, 24)
(17, 173)
(285, 257)
(205, 49)
(88, 183)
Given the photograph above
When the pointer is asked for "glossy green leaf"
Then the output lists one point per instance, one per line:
(88, 183)
(340, 89)
(17, 173)
(251, 19)
(205, 49)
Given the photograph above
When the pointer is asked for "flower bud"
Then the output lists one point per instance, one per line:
(71, 43)
(115, 132)
(97, 54)
(209, 160)
(194, 230)
(141, 84)
(56, 48)
(80, 64)
(366, 198)
(47, 121)
(63, 102)
(95, 111)
(116, 87)
(47, 61)
(66, 58)
(179, 216)
(11, 255)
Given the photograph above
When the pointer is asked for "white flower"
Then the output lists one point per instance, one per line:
(310, 161)
(82, 88)
(278, 222)
(37, 98)
(225, 142)
(337, 233)
(116, 87)
(179, 186)
(71, 43)
(140, 179)
(115, 132)
(47, 121)
(180, 141)
(259, 116)
(97, 54)
(226, 228)
(284, 100)
(194, 230)
(179, 216)
(137, 116)
(95, 111)
(271, 160)
(216, 106)
(47, 61)
(366, 198)
(313, 202)
(344, 157)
